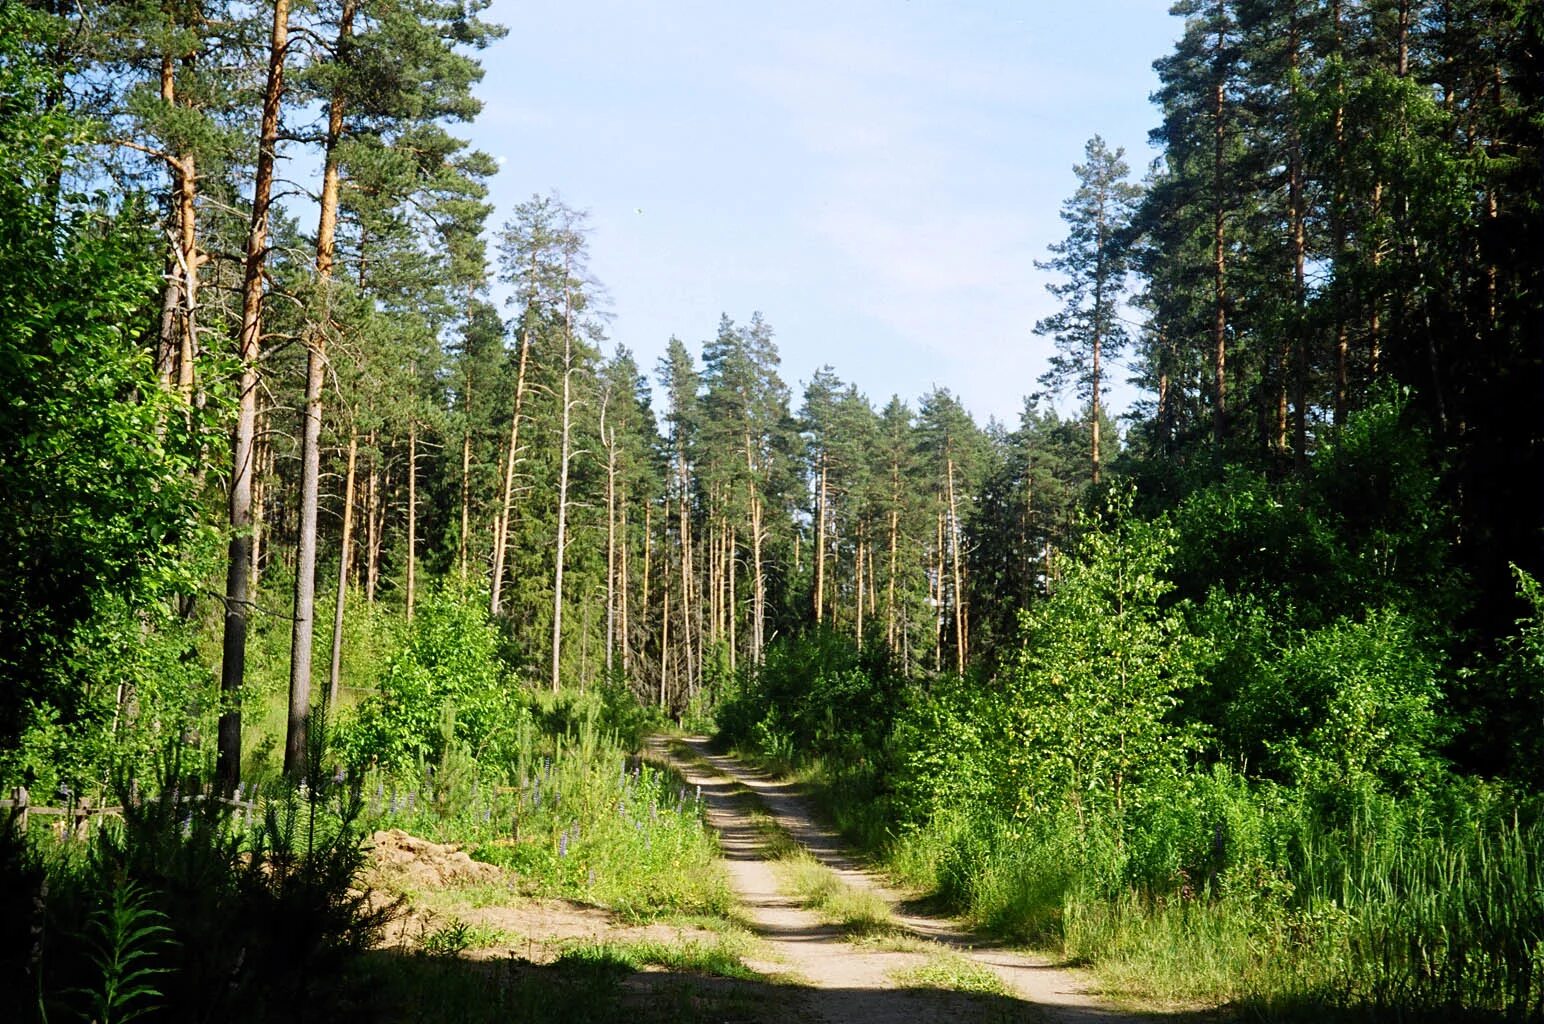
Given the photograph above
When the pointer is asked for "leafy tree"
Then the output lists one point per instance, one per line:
(1102, 667)
(100, 516)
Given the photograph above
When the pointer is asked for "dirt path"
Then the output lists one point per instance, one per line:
(856, 982)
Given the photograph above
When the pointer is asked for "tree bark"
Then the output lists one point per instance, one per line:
(412, 514)
(563, 459)
(664, 633)
(820, 544)
(344, 551)
(625, 585)
(611, 539)
(234, 648)
(1297, 201)
(501, 534)
(1219, 250)
(961, 638)
(372, 526)
(311, 428)
(684, 528)
(895, 531)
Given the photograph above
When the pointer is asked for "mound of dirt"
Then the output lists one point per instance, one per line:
(404, 860)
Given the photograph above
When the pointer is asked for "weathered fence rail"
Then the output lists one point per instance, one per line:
(78, 815)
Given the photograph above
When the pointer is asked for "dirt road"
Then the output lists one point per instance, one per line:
(853, 981)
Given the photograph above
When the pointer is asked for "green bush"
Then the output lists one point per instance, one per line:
(444, 683)
(818, 693)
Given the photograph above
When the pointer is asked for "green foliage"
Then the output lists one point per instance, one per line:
(1350, 702)
(125, 931)
(99, 518)
(445, 683)
(817, 693)
(1522, 674)
(1090, 701)
(185, 908)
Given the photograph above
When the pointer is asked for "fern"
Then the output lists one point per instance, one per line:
(125, 937)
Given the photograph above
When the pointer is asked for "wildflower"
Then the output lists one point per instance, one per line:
(563, 844)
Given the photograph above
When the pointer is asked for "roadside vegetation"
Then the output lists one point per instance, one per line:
(1210, 789)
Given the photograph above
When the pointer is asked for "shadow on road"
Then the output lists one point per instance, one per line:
(417, 989)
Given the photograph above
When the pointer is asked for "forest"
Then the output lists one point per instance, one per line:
(323, 483)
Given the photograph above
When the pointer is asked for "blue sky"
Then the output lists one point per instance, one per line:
(877, 178)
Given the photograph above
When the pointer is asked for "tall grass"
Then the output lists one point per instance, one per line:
(1219, 892)
(575, 816)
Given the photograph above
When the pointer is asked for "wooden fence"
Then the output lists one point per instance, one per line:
(75, 818)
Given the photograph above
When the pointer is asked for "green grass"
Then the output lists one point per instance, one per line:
(954, 973)
(456, 936)
(857, 912)
(722, 957)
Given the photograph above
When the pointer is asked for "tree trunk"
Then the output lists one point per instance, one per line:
(664, 633)
(648, 560)
(684, 527)
(233, 659)
(412, 513)
(858, 583)
(961, 638)
(1297, 200)
(1338, 229)
(178, 343)
(344, 550)
(733, 590)
(463, 540)
(624, 585)
(1219, 295)
(262, 459)
(501, 535)
(936, 592)
(758, 571)
(1219, 251)
(895, 531)
(372, 526)
(563, 457)
(820, 544)
(311, 428)
(611, 540)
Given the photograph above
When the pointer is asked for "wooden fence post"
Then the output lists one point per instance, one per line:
(19, 794)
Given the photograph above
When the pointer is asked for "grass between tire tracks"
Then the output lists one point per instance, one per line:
(862, 915)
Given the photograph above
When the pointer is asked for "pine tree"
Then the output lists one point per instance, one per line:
(1093, 258)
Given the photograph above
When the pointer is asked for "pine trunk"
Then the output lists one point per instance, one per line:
(611, 542)
(501, 534)
(820, 544)
(961, 636)
(412, 515)
(344, 552)
(234, 653)
(563, 458)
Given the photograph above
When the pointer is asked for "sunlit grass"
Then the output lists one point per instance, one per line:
(954, 973)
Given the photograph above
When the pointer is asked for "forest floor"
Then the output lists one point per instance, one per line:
(816, 937)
